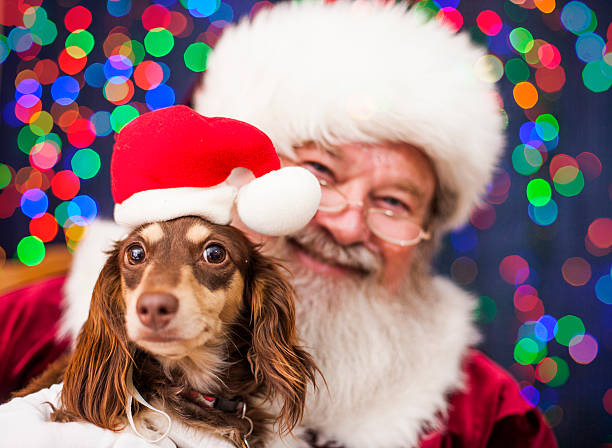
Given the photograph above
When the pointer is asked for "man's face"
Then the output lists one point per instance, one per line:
(340, 245)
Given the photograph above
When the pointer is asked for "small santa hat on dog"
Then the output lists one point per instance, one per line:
(175, 162)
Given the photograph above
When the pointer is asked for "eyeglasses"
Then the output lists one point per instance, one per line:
(383, 223)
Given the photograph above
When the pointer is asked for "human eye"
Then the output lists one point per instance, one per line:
(393, 204)
(320, 170)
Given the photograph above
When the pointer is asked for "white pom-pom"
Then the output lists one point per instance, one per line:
(280, 202)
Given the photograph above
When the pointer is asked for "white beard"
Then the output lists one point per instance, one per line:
(389, 360)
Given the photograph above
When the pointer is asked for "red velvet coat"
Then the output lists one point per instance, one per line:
(489, 413)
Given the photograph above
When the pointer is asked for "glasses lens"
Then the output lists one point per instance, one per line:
(393, 228)
(331, 199)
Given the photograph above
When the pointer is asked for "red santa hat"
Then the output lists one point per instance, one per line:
(175, 162)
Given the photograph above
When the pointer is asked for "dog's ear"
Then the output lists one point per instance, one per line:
(278, 363)
(95, 380)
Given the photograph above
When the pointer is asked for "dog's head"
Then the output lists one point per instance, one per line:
(181, 290)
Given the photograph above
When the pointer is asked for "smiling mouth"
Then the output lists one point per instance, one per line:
(333, 266)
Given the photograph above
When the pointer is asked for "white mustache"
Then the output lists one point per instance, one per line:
(320, 244)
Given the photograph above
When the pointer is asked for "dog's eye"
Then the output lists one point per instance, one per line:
(135, 254)
(214, 254)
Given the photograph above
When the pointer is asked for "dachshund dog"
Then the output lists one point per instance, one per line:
(199, 323)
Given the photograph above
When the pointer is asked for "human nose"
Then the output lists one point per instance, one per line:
(348, 225)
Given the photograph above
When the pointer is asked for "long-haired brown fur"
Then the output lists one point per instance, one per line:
(94, 382)
(262, 354)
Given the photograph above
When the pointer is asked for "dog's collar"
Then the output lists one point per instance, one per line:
(229, 405)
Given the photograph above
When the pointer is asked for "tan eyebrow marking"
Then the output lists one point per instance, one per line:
(197, 233)
(152, 233)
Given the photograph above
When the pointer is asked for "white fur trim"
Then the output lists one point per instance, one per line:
(87, 262)
(279, 202)
(353, 72)
(214, 204)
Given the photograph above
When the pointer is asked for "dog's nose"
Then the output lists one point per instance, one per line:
(155, 309)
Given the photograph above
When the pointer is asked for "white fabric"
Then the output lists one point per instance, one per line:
(280, 202)
(24, 423)
(214, 204)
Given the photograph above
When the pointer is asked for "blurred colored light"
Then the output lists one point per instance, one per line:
(487, 309)
(526, 159)
(463, 270)
(65, 185)
(595, 78)
(603, 289)
(489, 22)
(464, 239)
(514, 269)
(543, 215)
(590, 165)
(159, 97)
(5, 175)
(489, 68)
(225, 12)
(117, 92)
(583, 348)
(132, 49)
(44, 227)
(526, 351)
(28, 86)
(559, 161)
(101, 123)
(77, 18)
(122, 115)
(450, 18)
(550, 80)
(19, 39)
(44, 154)
(546, 370)
(34, 203)
(562, 372)
(521, 39)
(85, 163)
(516, 70)
(196, 56)
(546, 6)
(155, 16)
(576, 271)
(548, 127)
(590, 47)
(538, 192)
(148, 75)
(118, 8)
(65, 90)
(525, 94)
(600, 232)
(568, 181)
(531, 395)
(118, 65)
(4, 49)
(41, 123)
(30, 250)
(202, 8)
(607, 401)
(545, 328)
(70, 64)
(82, 209)
(568, 327)
(26, 140)
(577, 17)
(46, 70)
(81, 133)
(549, 56)
(94, 75)
(158, 42)
(483, 217)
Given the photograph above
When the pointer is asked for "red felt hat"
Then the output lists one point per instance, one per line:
(175, 162)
